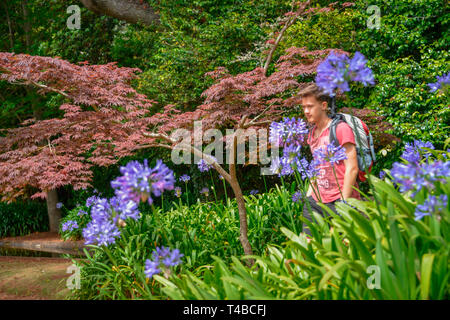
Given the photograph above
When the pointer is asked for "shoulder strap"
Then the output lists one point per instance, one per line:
(338, 117)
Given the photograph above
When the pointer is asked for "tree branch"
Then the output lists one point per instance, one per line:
(132, 11)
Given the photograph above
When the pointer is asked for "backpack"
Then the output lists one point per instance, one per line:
(364, 143)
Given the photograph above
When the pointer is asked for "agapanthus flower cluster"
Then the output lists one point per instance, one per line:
(415, 175)
(331, 153)
(414, 151)
(185, 178)
(81, 212)
(69, 225)
(91, 200)
(203, 166)
(139, 181)
(162, 259)
(297, 196)
(254, 191)
(308, 169)
(289, 132)
(337, 70)
(59, 205)
(432, 204)
(107, 216)
(442, 83)
(177, 192)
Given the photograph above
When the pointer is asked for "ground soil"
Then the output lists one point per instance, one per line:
(34, 278)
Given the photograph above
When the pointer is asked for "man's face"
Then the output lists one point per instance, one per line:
(314, 109)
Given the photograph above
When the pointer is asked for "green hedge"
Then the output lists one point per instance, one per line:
(22, 218)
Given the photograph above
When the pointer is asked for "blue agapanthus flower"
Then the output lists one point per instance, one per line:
(162, 259)
(297, 196)
(307, 169)
(185, 178)
(106, 216)
(432, 204)
(331, 153)
(203, 166)
(414, 151)
(69, 225)
(442, 83)
(101, 232)
(254, 191)
(415, 175)
(337, 70)
(139, 181)
(289, 132)
(81, 213)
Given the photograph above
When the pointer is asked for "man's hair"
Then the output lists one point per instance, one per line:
(315, 91)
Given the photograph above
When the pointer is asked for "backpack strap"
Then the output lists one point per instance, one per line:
(338, 117)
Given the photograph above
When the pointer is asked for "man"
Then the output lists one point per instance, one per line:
(325, 189)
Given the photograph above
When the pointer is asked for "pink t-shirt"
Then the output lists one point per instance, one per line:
(328, 188)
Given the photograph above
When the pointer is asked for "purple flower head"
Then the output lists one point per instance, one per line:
(331, 153)
(286, 166)
(253, 192)
(151, 268)
(91, 200)
(307, 169)
(288, 132)
(337, 70)
(382, 174)
(106, 214)
(297, 196)
(414, 151)
(431, 205)
(177, 192)
(101, 232)
(221, 177)
(81, 213)
(275, 165)
(69, 225)
(205, 191)
(415, 177)
(59, 205)
(203, 166)
(138, 181)
(163, 258)
(442, 83)
(185, 178)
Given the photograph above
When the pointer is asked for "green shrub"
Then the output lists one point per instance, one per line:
(22, 218)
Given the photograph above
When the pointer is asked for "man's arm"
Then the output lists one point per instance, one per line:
(351, 170)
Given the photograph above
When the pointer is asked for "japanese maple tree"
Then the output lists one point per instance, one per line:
(102, 118)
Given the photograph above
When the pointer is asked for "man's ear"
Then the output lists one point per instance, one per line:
(324, 105)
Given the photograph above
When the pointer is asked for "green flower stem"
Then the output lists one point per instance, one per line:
(213, 186)
(335, 177)
(187, 194)
(264, 179)
(225, 189)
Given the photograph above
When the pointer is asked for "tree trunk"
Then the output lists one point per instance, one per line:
(26, 25)
(54, 214)
(243, 227)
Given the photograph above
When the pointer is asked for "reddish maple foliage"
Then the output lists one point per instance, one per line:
(101, 123)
